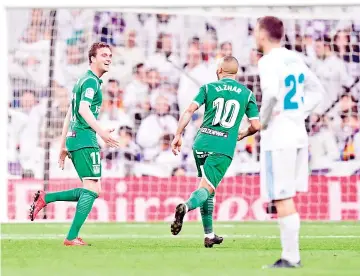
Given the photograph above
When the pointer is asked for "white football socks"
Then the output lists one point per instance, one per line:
(210, 235)
(186, 208)
(289, 235)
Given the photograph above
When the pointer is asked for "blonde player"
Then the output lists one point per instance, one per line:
(290, 91)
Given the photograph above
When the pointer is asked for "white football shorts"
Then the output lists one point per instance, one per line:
(283, 172)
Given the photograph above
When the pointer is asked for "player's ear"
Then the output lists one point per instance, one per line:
(263, 34)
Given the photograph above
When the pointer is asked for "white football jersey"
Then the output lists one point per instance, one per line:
(290, 91)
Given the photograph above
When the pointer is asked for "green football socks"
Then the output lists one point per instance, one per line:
(83, 209)
(206, 211)
(197, 198)
(69, 195)
(85, 199)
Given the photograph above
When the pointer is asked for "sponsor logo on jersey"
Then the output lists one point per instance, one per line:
(89, 93)
(226, 87)
(71, 134)
(202, 154)
(214, 132)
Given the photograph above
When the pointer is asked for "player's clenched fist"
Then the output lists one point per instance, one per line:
(176, 144)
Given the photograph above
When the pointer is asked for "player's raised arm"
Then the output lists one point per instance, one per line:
(314, 92)
(85, 112)
(269, 82)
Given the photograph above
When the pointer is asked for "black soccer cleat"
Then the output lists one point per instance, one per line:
(209, 243)
(180, 212)
(281, 263)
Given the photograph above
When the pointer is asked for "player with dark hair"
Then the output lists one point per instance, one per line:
(290, 91)
(79, 143)
(273, 27)
(226, 101)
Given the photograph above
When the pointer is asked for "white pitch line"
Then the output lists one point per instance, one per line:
(145, 225)
(259, 224)
(134, 236)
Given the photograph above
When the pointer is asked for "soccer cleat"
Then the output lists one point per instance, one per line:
(281, 263)
(37, 205)
(75, 242)
(208, 243)
(180, 212)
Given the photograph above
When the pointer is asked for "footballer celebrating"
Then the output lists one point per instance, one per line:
(290, 91)
(79, 143)
(226, 101)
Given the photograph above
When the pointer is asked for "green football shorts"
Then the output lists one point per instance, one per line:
(211, 166)
(87, 163)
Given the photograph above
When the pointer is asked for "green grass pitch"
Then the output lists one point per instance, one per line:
(149, 249)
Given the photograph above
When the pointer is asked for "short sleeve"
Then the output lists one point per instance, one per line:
(252, 111)
(201, 96)
(88, 90)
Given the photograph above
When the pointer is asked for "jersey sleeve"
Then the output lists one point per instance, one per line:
(252, 111)
(88, 90)
(201, 96)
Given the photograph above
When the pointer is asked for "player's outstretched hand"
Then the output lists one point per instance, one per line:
(62, 157)
(176, 144)
(109, 140)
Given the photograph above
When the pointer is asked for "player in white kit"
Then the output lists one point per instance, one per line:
(290, 91)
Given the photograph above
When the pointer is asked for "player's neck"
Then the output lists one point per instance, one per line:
(96, 71)
(270, 46)
(228, 77)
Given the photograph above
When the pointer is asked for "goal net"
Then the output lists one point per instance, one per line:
(160, 59)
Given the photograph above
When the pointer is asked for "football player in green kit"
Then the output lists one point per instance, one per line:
(79, 143)
(226, 101)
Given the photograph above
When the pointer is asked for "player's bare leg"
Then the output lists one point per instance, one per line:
(289, 223)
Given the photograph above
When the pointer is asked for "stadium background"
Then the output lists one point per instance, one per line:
(144, 93)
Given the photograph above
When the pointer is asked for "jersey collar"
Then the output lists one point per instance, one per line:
(92, 73)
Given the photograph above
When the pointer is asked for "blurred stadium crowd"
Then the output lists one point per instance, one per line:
(159, 62)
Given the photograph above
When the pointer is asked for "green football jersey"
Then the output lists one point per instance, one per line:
(226, 101)
(80, 134)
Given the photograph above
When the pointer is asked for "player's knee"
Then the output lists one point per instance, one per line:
(92, 185)
(206, 185)
(285, 207)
